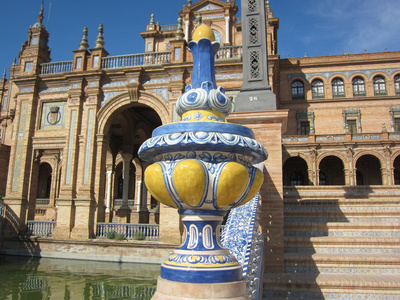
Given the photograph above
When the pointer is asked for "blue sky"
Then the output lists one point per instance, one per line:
(315, 27)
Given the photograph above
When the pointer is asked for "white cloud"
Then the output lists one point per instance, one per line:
(355, 25)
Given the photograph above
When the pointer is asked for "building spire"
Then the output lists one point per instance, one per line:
(40, 17)
(152, 19)
(100, 40)
(83, 45)
(179, 32)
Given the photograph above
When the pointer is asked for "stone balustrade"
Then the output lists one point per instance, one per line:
(334, 138)
(57, 67)
(149, 231)
(2, 210)
(124, 291)
(229, 52)
(132, 60)
(42, 201)
(43, 228)
(122, 61)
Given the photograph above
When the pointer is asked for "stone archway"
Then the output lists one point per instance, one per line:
(125, 128)
(295, 172)
(331, 171)
(396, 170)
(368, 170)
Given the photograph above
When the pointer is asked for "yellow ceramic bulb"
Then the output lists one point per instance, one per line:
(203, 31)
(189, 181)
(154, 180)
(232, 183)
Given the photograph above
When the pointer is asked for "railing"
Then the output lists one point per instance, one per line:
(142, 59)
(2, 210)
(331, 138)
(169, 27)
(248, 247)
(229, 52)
(149, 231)
(42, 201)
(124, 291)
(153, 58)
(44, 228)
(118, 202)
(57, 67)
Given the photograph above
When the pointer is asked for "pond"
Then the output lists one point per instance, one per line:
(33, 279)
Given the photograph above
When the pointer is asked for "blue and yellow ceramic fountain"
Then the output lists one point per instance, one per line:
(203, 166)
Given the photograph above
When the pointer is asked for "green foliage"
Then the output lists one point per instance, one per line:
(138, 235)
(119, 237)
(1, 197)
(111, 234)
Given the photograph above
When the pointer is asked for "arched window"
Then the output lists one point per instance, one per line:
(297, 90)
(379, 86)
(358, 87)
(338, 87)
(296, 178)
(317, 88)
(397, 84)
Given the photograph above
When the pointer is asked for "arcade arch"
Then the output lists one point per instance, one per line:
(331, 171)
(368, 170)
(125, 125)
(295, 172)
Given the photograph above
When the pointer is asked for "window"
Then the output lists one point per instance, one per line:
(78, 64)
(397, 84)
(397, 124)
(297, 90)
(28, 66)
(358, 87)
(338, 88)
(379, 86)
(352, 126)
(317, 88)
(96, 60)
(304, 127)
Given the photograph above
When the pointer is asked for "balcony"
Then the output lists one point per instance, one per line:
(335, 138)
(134, 60)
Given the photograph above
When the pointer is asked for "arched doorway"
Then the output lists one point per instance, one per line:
(44, 184)
(126, 130)
(295, 172)
(368, 170)
(331, 171)
(396, 170)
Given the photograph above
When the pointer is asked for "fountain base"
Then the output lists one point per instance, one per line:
(171, 290)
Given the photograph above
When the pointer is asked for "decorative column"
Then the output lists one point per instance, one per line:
(227, 29)
(109, 187)
(203, 167)
(187, 23)
(124, 211)
(255, 94)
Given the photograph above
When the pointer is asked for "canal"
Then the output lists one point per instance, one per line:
(61, 279)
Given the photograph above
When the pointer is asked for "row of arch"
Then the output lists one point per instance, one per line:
(360, 87)
(366, 169)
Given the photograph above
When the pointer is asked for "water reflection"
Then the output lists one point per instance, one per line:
(31, 279)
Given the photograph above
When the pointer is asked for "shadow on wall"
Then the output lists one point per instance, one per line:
(13, 240)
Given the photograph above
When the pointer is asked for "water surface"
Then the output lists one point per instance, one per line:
(61, 279)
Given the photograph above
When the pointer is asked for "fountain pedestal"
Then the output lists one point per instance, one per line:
(172, 290)
(202, 166)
